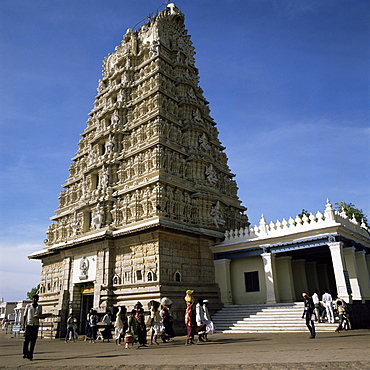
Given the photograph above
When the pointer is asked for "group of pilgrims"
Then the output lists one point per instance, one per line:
(133, 326)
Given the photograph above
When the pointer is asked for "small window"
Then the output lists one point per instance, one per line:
(150, 276)
(115, 280)
(251, 281)
(102, 149)
(86, 221)
(94, 181)
(139, 275)
(178, 277)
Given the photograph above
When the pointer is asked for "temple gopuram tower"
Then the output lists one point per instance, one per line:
(149, 189)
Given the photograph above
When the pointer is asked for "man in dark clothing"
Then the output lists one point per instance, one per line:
(309, 308)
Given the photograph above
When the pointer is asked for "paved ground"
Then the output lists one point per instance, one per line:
(346, 350)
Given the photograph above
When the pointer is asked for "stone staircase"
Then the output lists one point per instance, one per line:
(264, 318)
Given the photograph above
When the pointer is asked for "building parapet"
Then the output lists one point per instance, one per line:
(298, 224)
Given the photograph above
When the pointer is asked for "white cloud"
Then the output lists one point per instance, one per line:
(14, 285)
(18, 274)
(292, 8)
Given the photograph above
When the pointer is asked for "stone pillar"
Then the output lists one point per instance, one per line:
(284, 275)
(67, 273)
(66, 289)
(339, 266)
(322, 273)
(222, 277)
(311, 273)
(367, 257)
(350, 260)
(99, 278)
(300, 278)
(363, 274)
(272, 294)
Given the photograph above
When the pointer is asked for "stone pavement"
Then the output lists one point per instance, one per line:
(346, 350)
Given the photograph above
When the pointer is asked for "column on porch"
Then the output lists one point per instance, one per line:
(313, 279)
(284, 276)
(222, 277)
(351, 264)
(323, 276)
(363, 274)
(339, 267)
(300, 278)
(272, 293)
(367, 257)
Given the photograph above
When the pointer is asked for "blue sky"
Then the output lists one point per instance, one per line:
(287, 82)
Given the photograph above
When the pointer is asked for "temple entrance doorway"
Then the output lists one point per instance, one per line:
(87, 302)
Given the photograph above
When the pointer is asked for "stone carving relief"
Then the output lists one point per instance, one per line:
(97, 219)
(84, 268)
(75, 225)
(104, 177)
(109, 145)
(154, 47)
(115, 119)
(216, 215)
(211, 174)
(203, 142)
(196, 116)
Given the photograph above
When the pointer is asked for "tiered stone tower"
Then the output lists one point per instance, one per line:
(149, 189)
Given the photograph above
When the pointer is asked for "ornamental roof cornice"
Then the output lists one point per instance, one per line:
(295, 229)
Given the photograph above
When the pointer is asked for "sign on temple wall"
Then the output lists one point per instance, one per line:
(84, 268)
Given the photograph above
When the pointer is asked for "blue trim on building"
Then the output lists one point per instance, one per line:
(276, 248)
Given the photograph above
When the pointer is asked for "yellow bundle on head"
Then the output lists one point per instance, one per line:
(188, 297)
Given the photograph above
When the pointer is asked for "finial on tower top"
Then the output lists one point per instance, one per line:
(173, 8)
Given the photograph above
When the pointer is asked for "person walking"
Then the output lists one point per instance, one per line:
(131, 333)
(199, 316)
(71, 328)
(307, 313)
(107, 321)
(316, 302)
(190, 320)
(344, 323)
(207, 320)
(88, 334)
(93, 326)
(120, 324)
(328, 302)
(4, 324)
(32, 314)
(140, 324)
(167, 320)
(155, 321)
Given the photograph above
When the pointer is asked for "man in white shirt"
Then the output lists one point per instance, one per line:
(316, 302)
(31, 322)
(199, 314)
(328, 301)
(207, 320)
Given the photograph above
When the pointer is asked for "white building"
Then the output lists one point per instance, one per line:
(7, 310)
(19, 310)
(276, 262)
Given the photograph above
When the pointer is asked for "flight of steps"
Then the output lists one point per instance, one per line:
(264, 318)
